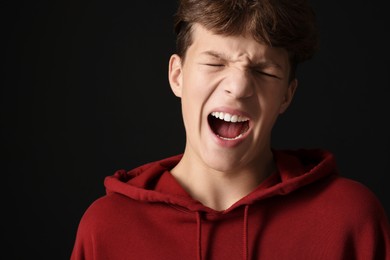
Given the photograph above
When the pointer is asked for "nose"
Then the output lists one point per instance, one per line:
(238, 83)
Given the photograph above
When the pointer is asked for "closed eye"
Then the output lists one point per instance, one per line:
(267, 74)
(214, 64)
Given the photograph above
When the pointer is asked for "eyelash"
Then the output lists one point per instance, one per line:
(214, 65)
(266, 74)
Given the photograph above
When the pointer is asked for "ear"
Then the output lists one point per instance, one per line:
(289, 95)
(175, 74)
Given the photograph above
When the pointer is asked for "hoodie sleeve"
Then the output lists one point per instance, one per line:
(373, 239)
(370, 231)
(373, 236)
(83, 246)
(92, 232)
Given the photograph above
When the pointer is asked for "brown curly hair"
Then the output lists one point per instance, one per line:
(289, 24)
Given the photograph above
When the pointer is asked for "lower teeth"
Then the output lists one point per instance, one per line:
(229, 139)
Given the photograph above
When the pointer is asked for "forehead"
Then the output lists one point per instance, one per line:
(234, 48)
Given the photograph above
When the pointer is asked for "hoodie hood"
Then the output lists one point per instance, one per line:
(153, 182)
(299, 212)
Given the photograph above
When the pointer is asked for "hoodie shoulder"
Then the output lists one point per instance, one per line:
(342, 196)
(355, 199)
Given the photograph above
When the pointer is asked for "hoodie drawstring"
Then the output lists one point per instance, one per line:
(244, 235)
(199, 236)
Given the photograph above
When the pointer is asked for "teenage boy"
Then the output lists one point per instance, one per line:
(230, 195)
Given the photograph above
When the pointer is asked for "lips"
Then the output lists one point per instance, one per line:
(228, 126)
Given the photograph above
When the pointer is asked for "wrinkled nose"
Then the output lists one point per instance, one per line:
(238, 84)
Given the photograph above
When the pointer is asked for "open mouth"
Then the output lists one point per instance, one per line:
(227, 126)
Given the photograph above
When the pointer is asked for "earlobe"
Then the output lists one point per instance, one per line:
(289, 95)
(175, 74)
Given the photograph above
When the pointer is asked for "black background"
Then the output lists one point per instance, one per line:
(84, 92)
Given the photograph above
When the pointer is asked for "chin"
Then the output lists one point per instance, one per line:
(223, 162)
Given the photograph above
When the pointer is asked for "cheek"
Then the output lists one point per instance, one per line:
(270, 100)
(269, 94)
(191, 103)
(197, 89)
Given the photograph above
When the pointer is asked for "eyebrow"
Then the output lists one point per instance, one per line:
(217, 55)
(222, 56)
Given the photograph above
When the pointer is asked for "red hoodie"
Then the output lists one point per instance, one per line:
(303, 211)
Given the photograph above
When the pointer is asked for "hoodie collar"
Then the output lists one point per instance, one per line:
(153, 182)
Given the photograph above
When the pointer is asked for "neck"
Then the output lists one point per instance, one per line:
(221, 189)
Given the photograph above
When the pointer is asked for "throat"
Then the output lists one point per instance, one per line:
(220, 190)
(228, 130)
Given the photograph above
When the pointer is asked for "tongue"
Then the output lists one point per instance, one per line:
(227, 129)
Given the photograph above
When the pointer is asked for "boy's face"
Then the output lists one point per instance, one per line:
(232, 90)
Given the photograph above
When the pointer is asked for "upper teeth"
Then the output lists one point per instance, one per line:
(228, 117)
